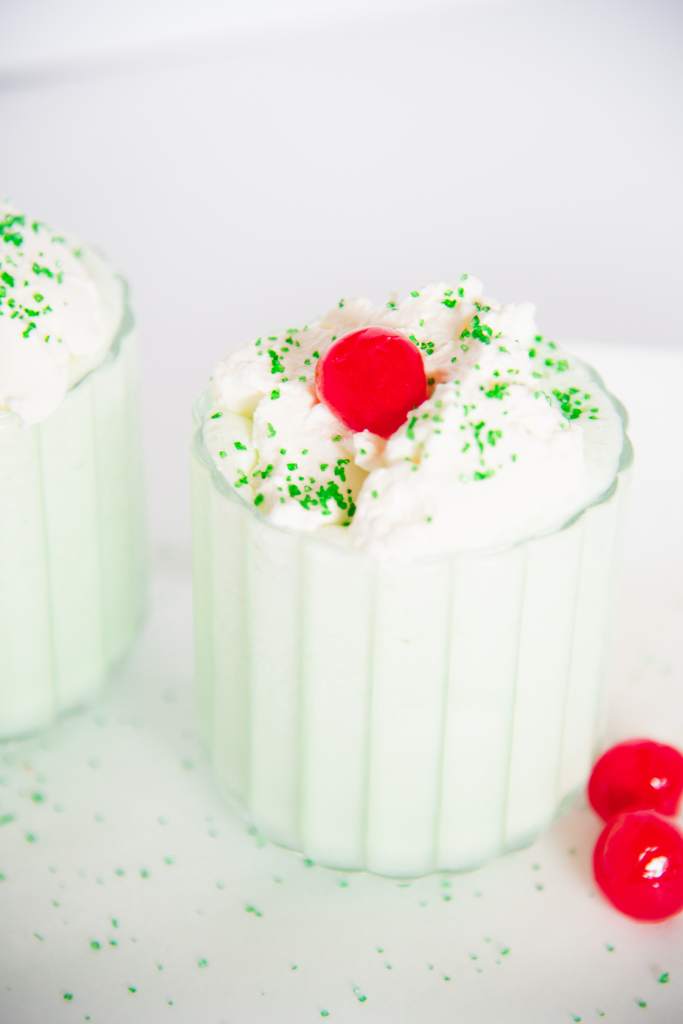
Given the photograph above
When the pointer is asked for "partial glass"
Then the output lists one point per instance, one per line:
(72, 543)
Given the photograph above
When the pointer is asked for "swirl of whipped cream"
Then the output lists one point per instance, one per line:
(60, 307)
(514, 438)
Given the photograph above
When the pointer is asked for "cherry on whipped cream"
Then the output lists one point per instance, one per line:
(371, 379)
(638, 864)
(637, 775)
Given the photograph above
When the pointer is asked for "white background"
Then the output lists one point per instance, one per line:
(246, 165)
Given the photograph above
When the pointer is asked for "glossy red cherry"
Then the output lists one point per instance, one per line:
(637, 775)
(371, 379)
(638, 864)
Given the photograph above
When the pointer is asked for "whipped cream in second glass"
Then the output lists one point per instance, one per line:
(60, 308)
(515, 437)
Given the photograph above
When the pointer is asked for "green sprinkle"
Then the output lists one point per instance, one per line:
(337, 437)
(132, 989)
(222, 454)
(415, 294)
(663, 978)
(276, 364)
(38, 270)
(449, 303)
(571, 406)
(68, 996)
(497, 391)
(95, 944)
(410, 429)
(270, 429)
(203, 962)
(478, 330)
(258, 500)
(239, 446)
(274, 394)
(216, 416)
(251, 909)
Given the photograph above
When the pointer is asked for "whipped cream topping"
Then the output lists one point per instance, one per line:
(515, 437)
(60, 307)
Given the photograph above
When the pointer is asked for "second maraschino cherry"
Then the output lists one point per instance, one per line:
(638, 864)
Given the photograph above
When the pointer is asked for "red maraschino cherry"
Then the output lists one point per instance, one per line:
(371, 379)
(638, 864)
(637, 775)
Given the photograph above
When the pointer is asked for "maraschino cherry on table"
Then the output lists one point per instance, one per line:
(371, 379)
(638, 864)
(637, 775)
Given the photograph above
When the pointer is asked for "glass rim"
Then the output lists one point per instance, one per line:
(124, 328)
(317, 537)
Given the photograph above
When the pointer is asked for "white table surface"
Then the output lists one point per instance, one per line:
(125, 883)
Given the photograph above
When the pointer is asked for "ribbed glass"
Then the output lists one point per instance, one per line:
(72, 543)
(398, 717)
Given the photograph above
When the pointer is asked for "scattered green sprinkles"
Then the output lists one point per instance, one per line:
(663, 978)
